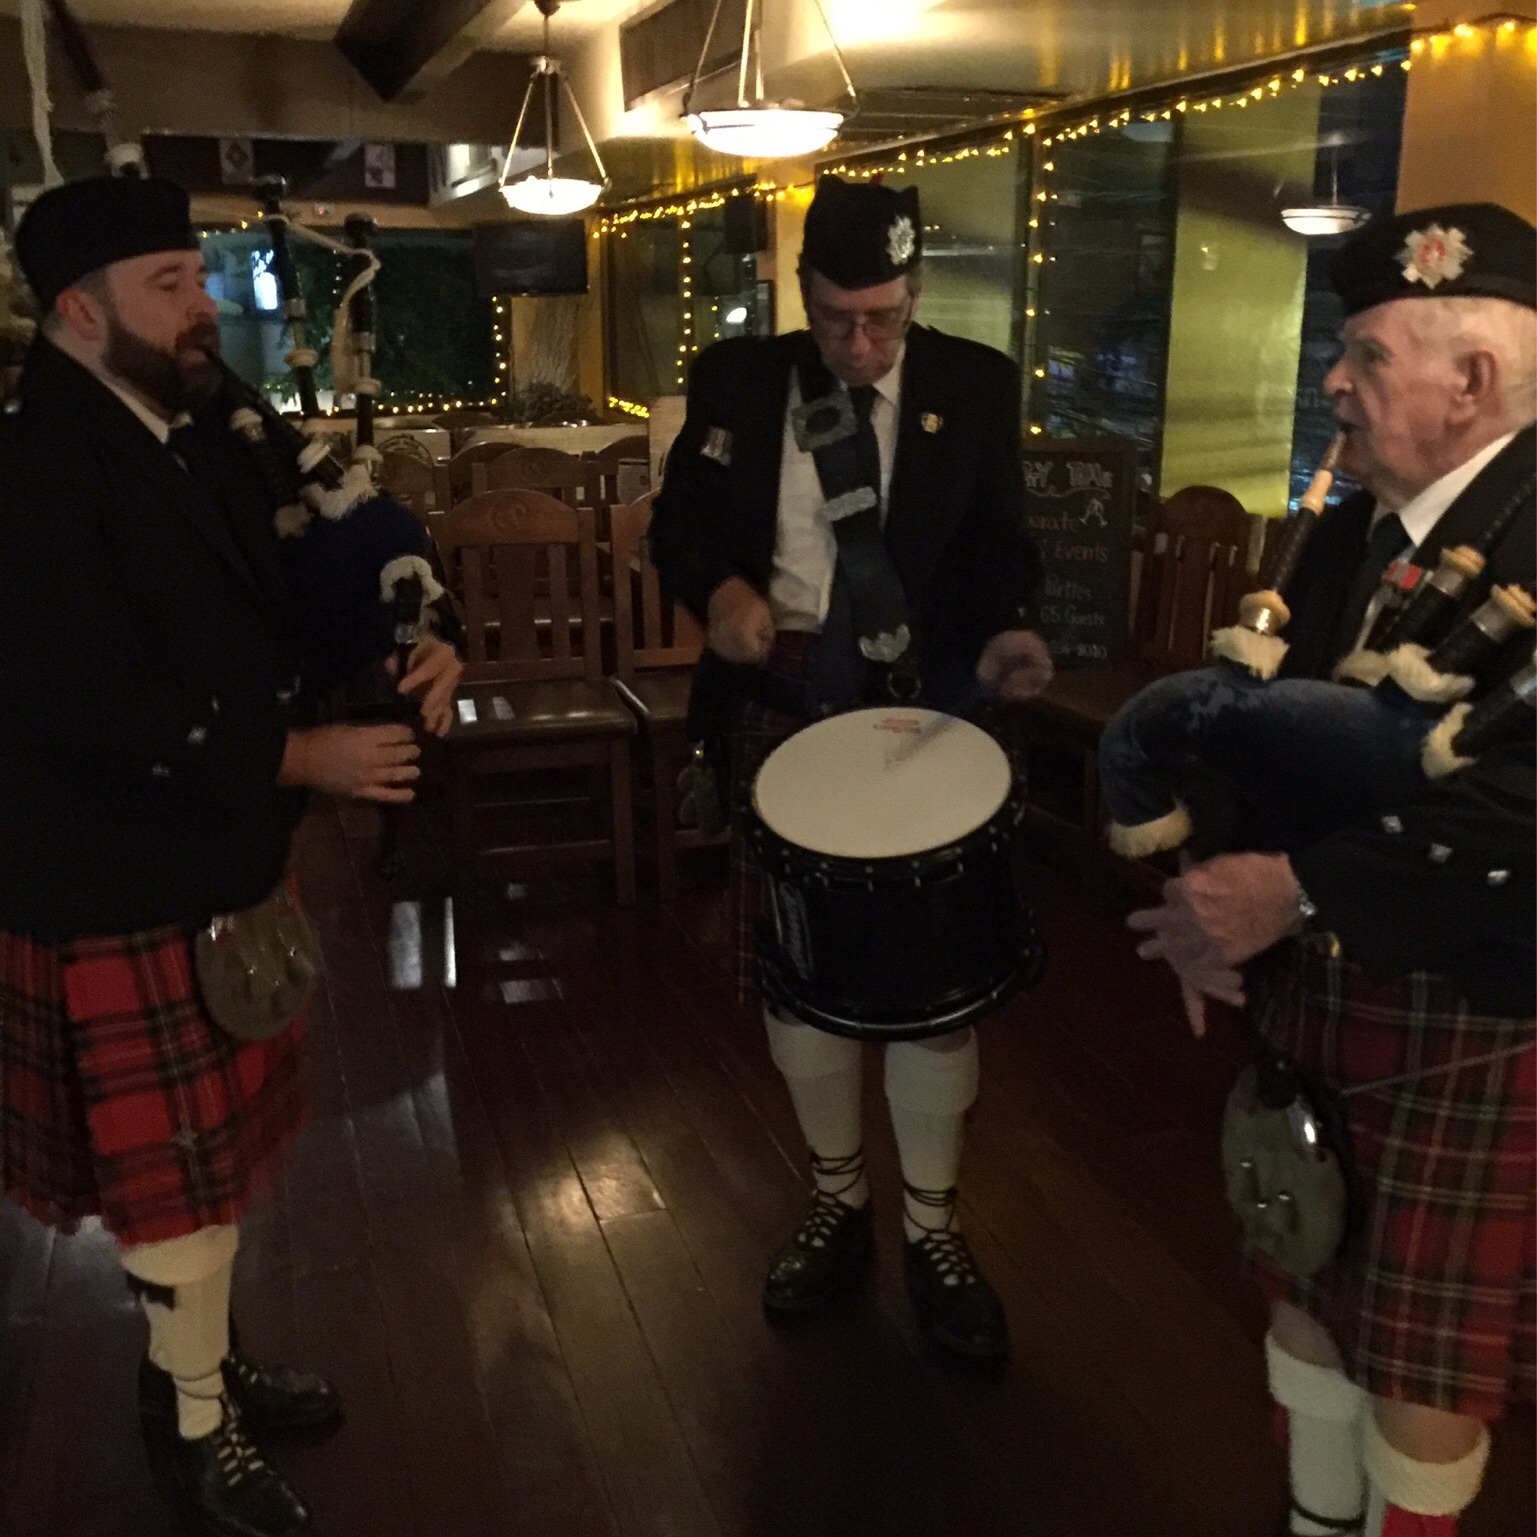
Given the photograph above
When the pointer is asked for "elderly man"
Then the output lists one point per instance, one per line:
(753, 532)
(1397, 955)
(154, 751)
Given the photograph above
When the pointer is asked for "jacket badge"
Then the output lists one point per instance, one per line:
(717, 445)
(930, 422)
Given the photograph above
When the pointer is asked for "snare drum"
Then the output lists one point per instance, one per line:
(885, 837)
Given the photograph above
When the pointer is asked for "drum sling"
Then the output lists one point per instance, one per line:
(867, 619)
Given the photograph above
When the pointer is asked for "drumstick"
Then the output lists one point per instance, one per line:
(901, 751)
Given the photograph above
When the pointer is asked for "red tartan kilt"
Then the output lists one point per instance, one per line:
(1433, 1299)
(122, 1099)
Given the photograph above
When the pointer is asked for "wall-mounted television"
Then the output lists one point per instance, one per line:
(531, 256)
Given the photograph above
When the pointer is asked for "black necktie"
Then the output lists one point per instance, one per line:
(837, 668)
(1386, 540)
(182, 442)
(863, 398)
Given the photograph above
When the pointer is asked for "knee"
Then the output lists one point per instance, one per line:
(1426, 1434)
(800, 1050)
(934, 1077)
(1303, 1337)
(182, 1261)
(1424, 1461)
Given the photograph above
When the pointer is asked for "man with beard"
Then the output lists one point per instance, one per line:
(154, 753)
(1393, 959)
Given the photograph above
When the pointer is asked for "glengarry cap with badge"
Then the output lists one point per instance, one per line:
(82, 226)
(860, 234)
(1456, 251)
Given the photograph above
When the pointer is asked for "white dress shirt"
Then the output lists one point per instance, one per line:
(805, 551)
(1421, 513)
(156, 424)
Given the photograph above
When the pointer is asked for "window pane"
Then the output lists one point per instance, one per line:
(1106, 209)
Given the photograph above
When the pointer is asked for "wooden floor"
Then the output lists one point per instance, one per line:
(527, 1231)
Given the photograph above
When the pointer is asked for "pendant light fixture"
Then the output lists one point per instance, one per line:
(1316, 220)
(755, 127)
(548, 194)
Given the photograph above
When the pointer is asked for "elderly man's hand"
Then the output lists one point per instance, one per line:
(1215, 917)
(1016, 665)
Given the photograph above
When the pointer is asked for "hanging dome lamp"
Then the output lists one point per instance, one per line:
(755, 127)
(545, 193)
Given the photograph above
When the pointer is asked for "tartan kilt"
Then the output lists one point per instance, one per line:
(121, 1098)
(758, 731)
(1433, 1298)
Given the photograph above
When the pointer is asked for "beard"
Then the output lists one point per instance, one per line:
(175, 380)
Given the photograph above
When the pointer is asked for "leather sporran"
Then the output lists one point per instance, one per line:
(257, 969)
(701, 799)
(1286, 1175)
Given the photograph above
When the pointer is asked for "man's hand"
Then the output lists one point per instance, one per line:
(741, 628)
(1215, 917)
(433, 673)
(370, 763)
(1016, 665)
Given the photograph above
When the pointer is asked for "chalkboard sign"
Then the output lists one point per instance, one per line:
(1079, 497)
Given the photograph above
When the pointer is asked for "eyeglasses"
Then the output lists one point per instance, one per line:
(879, 325)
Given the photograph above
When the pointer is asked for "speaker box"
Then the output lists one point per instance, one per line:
(744, 223)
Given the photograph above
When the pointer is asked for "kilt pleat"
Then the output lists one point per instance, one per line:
(1433, 1298)
(120, 1097)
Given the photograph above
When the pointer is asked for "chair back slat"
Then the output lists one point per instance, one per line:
(652, 633)
(1193, 573)
(517, 572)
(624, 469)
(477, 609)
(510, 554)
(559, 587)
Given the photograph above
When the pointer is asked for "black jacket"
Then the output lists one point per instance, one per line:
(148, 671)
(1394, 905)
(955, 517)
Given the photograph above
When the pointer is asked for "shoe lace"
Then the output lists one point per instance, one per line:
(244, 1372)
(828, 1212)
(235, 1454)
(946, 1250)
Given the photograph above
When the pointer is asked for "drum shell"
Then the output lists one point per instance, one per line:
(893, 949)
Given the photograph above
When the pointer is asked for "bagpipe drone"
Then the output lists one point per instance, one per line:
(1432, 687)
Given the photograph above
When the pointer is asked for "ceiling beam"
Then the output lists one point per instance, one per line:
(404, 47)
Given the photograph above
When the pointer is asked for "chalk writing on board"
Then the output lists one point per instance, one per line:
(1079, 496)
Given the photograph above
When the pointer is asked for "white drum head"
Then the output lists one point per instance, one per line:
(882, 784)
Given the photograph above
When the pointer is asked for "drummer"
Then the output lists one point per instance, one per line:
(919, 585)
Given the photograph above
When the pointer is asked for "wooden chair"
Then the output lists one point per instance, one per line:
(459, 472)
(624, 470)
(656, 646)
(1193, 574)
(536, 469)
(531, 701)
(411, 481)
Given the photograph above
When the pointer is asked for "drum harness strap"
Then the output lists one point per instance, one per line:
(868, 627)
